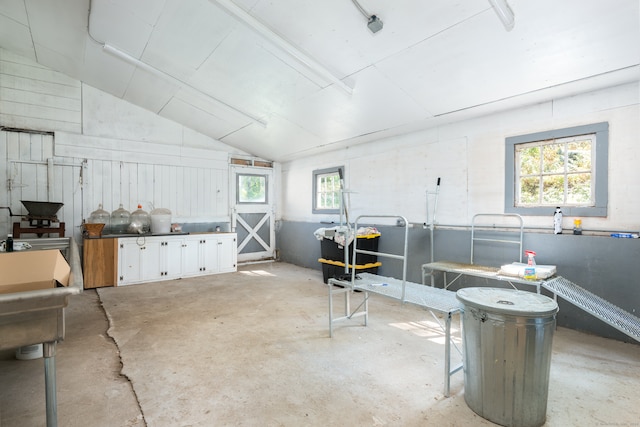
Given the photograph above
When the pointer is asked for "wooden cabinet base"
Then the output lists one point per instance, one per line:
(100, 263)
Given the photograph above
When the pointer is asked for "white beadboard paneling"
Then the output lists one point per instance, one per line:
(132, 189)
(90, 147)
(67, 189)
(5, 219)
(26, 157)
(35, 145)
(108, 116)
(222, 192)
(24, 146)
(20, 81)
(34, 97)
(103, 177)
(157, 190)
(192, 181)
(14, 121)
(170, 188)
(145, 179)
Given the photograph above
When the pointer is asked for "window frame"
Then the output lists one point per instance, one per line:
(601, 161)
(315, 209)
(266, 188)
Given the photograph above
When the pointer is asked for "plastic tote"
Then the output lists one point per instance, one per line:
(507, 354)
(161, 220)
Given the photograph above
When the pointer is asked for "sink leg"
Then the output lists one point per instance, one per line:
(49, 353)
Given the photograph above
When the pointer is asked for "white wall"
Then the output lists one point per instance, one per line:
(35, 97)
(392, 176)
(124, 154)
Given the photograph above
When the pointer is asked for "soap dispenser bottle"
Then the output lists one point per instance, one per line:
(557, 221)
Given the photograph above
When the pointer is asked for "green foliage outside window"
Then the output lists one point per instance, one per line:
(252, 189)
(556, 172)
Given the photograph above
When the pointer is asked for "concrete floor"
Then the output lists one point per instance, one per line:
(252, 349)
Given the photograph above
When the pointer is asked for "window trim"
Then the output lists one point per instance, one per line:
(314, 207)
(601, 170)
(266, 188)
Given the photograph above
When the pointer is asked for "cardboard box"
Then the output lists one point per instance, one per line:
(32, 270)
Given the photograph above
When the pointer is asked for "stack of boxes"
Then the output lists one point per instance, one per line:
(333, 261)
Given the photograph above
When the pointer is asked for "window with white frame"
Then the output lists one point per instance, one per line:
(326, 190)
(564, 167)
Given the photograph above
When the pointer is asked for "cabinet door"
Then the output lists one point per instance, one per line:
(151, 259)
(129, 269)
(227, 253)
(172, 257)
(209, 255)
(191, 264)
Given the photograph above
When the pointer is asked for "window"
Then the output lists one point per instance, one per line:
(252, 188)
(326, 190)
(564, 167)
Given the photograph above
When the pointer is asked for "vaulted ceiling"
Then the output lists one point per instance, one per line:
(290, 78)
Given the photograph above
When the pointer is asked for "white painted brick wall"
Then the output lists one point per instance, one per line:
(393, 176)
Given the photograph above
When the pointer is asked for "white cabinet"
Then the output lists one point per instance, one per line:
(138, 260)
(210, 254)
(200, 255)
(146, 259)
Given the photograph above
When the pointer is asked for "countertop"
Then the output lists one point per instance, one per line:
(182, 233)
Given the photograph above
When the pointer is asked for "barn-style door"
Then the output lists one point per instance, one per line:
(253, 212)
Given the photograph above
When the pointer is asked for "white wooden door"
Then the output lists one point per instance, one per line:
(252, 219)
(31, 172)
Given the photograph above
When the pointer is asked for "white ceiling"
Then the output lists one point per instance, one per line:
(434, 61)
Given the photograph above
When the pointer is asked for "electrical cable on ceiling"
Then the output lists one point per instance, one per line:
(373, 22)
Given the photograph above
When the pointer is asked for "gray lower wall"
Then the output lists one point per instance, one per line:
(603, 265)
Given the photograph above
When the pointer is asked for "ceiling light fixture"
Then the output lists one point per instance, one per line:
(280, 42)
(373, 22)
(504, 12)
(183, 85)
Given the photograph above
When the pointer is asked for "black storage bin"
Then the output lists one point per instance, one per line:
(335, 269)
(331, 250)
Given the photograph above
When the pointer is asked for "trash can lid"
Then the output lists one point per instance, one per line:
(508, 301)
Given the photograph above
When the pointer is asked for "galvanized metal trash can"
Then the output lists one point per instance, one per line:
(507, 337)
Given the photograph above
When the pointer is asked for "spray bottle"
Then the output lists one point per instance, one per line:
(530, 269)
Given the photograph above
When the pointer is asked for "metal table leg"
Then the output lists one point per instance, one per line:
(49, 353)
(447, 357)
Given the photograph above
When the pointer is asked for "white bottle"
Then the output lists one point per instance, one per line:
(557, 221)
